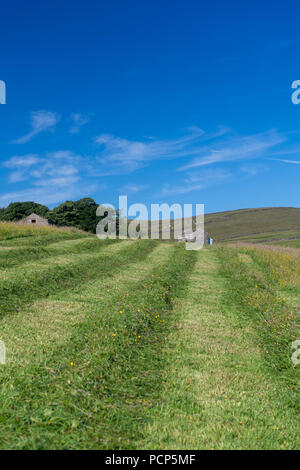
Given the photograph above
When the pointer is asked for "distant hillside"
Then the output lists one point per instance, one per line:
(262, 224)
(270, 224)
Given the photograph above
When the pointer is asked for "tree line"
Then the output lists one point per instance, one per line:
(80, 214)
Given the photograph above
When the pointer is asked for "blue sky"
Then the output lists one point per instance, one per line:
(162, 100)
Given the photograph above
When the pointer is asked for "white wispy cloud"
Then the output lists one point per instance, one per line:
(16, 177)
(21, 166)
(293, 162)
(122, 156)
(41, 121)
(198, 181)
(61, 174)
(53, 178)
(236, 148)
(22, 161)
(35, 167)
(252, 169)
(46, 194)
(125, 156)
(58, 182)
(133, 188)
(78, 120)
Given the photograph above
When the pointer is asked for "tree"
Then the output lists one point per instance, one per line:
(80, 214)
(19, 210)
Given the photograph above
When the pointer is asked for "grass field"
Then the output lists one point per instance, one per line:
(145, 345)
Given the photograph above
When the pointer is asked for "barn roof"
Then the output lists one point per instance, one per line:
(35, 215)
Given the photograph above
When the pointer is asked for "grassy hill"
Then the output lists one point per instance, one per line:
(264, 225)
(145, 345)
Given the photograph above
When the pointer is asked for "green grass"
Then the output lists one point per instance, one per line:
(116, 357)
(18, 255)
(271, 237)
(14, 234)
(145, 345)
(229, 381)
(291, 243)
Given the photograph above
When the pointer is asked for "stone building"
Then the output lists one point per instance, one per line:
(191, 237)
(35, 219)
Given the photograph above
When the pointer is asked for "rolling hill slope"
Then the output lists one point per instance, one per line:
(260, 225)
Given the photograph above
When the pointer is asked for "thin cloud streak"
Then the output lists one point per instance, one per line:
(133, 188)
(47, 195)
(197, 182)
(122, 156)
(41, 121)
(22, 161)
(238, 148)
(294, 162)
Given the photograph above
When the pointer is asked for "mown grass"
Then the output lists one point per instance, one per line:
(258, 278)
(129, 345)
(33, 280)
(94, 390)
(219, 391)
(19, 255)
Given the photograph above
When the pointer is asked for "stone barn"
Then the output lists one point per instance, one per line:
(191, 237)
(35, 219)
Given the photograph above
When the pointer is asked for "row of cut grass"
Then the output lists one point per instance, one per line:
(36, 280)
(216, 391)
(256, 280)
(18, 255)
(96, 390)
